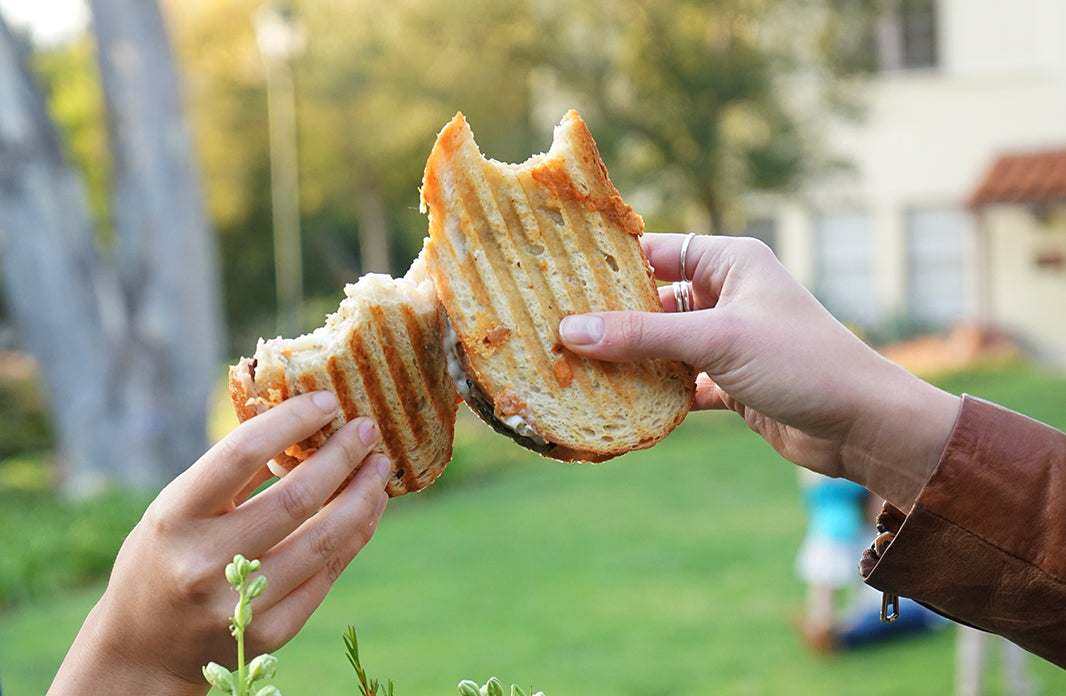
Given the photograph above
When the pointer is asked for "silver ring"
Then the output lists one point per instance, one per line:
(684, 257)
(683, 299)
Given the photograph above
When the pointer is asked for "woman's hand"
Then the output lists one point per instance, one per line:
(165, 613)
(769, 351)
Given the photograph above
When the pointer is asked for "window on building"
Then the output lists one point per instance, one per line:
(844, 258)
(907, 35)
(939, 262)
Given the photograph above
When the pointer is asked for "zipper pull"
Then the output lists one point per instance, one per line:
(889, 607)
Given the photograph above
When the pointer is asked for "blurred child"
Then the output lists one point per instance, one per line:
(842, 613)
(828, 557)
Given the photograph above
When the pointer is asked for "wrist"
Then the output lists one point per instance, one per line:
(901, 428)
(97, 662)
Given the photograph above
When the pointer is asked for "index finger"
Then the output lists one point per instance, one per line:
(211, 484)
(663, 250)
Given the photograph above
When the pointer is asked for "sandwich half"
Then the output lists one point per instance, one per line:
(381, 354)
(512, 249)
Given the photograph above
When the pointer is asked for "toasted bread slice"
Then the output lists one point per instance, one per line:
(381, 354)
(512, 249)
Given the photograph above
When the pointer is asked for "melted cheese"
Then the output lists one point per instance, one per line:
(515, 423)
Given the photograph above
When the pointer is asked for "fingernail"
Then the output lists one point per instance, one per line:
(326, 401)
(368, 432)
(581, 329)
(382, 466)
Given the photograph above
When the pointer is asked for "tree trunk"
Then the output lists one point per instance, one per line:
(128, 347)
(167, 268)
(54, 282)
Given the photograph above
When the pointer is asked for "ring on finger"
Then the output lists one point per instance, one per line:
(684, 257)
(683, 298)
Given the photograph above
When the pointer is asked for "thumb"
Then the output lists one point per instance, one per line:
(626, 336)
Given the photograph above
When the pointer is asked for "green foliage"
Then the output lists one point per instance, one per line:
(52, 545)
(24, 422)
(693, 97)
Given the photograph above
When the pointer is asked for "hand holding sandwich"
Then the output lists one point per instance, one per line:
(164, 613)
(770, 352)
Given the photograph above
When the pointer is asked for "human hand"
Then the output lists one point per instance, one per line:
(769, 351)
(165, 612)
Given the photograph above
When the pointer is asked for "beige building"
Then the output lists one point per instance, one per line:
(956, 205)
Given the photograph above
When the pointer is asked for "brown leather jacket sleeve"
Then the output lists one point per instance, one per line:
(985, 542)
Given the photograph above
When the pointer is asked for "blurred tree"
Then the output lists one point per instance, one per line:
(693, 96)
(375, 84)
(128, 342)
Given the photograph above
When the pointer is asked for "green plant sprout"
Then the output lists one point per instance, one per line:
(493, 687)
(242, 681)
(367, 687)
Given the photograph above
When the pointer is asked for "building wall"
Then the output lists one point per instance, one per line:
(1028, 276)
(929, 135)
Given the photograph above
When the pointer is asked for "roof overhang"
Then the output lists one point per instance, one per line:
(1031, 178)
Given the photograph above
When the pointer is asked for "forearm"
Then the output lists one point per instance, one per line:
(900, 430)
(97, 663)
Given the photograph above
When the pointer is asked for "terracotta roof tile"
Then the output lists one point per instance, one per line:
(1023, 178)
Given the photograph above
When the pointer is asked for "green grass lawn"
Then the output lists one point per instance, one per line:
(667, 571)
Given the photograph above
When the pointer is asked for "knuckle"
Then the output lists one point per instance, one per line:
(194, 579)
(322, 541)
(629, 331)
(237, 446)
(754, 248)
(334, 567)
(157, 520)
(295, 500)
(350, 451)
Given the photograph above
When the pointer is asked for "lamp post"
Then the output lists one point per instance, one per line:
(280, 38)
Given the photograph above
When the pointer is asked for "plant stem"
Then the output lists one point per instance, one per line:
(240, 690)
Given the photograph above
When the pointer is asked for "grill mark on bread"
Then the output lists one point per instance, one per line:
(392, 354)
(339, 379)
(446, 259)
(509, 188)
(375, 392)
(564, 185)
(565, 294)
(463, 178)
(429, 361)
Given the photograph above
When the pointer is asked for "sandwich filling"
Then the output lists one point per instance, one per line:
(514, 426)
